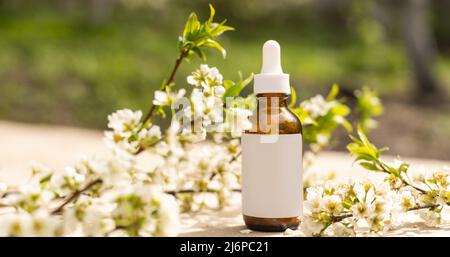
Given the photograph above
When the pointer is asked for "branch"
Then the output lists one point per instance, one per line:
(76, 194)
(235, 157)
(335, 219)
(192, 191)
(141, 149)
(402, 179)
(178, 61)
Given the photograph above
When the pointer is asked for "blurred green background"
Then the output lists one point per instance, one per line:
(73, 62)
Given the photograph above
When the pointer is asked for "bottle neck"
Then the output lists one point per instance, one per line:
(272, 99)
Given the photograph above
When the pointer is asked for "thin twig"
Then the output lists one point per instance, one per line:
(76, 194)
(403, 180)
(150, 113)
(427, 206)
(192, 191)
(141, 149)
(235, 157)
(178, 61)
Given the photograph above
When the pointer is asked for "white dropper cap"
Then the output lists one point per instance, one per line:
(271, 79)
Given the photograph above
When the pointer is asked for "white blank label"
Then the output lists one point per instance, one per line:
(272, 175)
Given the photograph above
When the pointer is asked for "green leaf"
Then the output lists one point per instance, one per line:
(214, 44)
(212, 12)
(368, 106)
(304, 117)
(234, 89)
(340, 110)
(228, 83)
(333, 92)
(403, 167)
(192, 25)
(369, 166)
(363, 137)
(347, 125)
(198, 34)
(293, 97)
(45, 179)
(200, 53)
(217, 29)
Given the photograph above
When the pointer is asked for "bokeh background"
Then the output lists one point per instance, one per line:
(72, 62)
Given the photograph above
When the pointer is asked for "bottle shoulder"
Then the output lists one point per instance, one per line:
(290, 123)
(283, 119)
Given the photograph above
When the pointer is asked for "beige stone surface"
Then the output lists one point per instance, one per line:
(57, 147)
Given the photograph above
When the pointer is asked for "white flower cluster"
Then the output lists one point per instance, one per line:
(316, 107)
(128, 132)
(209, 107)
(204, 112)
(321, 117)
(344, 209)
(97, 197)
(366, 207)
(209, 171)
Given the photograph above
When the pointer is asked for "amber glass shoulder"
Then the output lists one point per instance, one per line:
(288, 122)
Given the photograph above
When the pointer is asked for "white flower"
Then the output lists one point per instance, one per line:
(239, 121)
(148, 136)
(360, 210)
(342, 230)
(95, 222)
(379, 206)
(15, 224)
(316, 106)
(396, 163)
(43, 224)
(166, 98)
(30, 197)
(332, 203)
(203, 200)
(67, 181)
(310, 226)
(144, 210)
(205, 77)
(219, 90)
(161, 98)
(193, 137)
(168, 215)
(431, 218)
(382, 189)
(376, 223)
(118, 169)
(364, 190)
(444, 197)
(322, 139)
(39, 223)
(417, 175)
(124, 122)
(407, 200)
(162, 149)
(70, 220)
(197, 98)
(313, 201)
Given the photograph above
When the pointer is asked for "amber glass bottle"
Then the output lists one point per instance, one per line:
(272, 152)
(288, 123)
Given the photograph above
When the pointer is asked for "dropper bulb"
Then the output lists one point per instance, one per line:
(271, 58)
(271, 79)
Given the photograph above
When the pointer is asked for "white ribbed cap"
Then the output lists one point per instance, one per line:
(271, 79)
